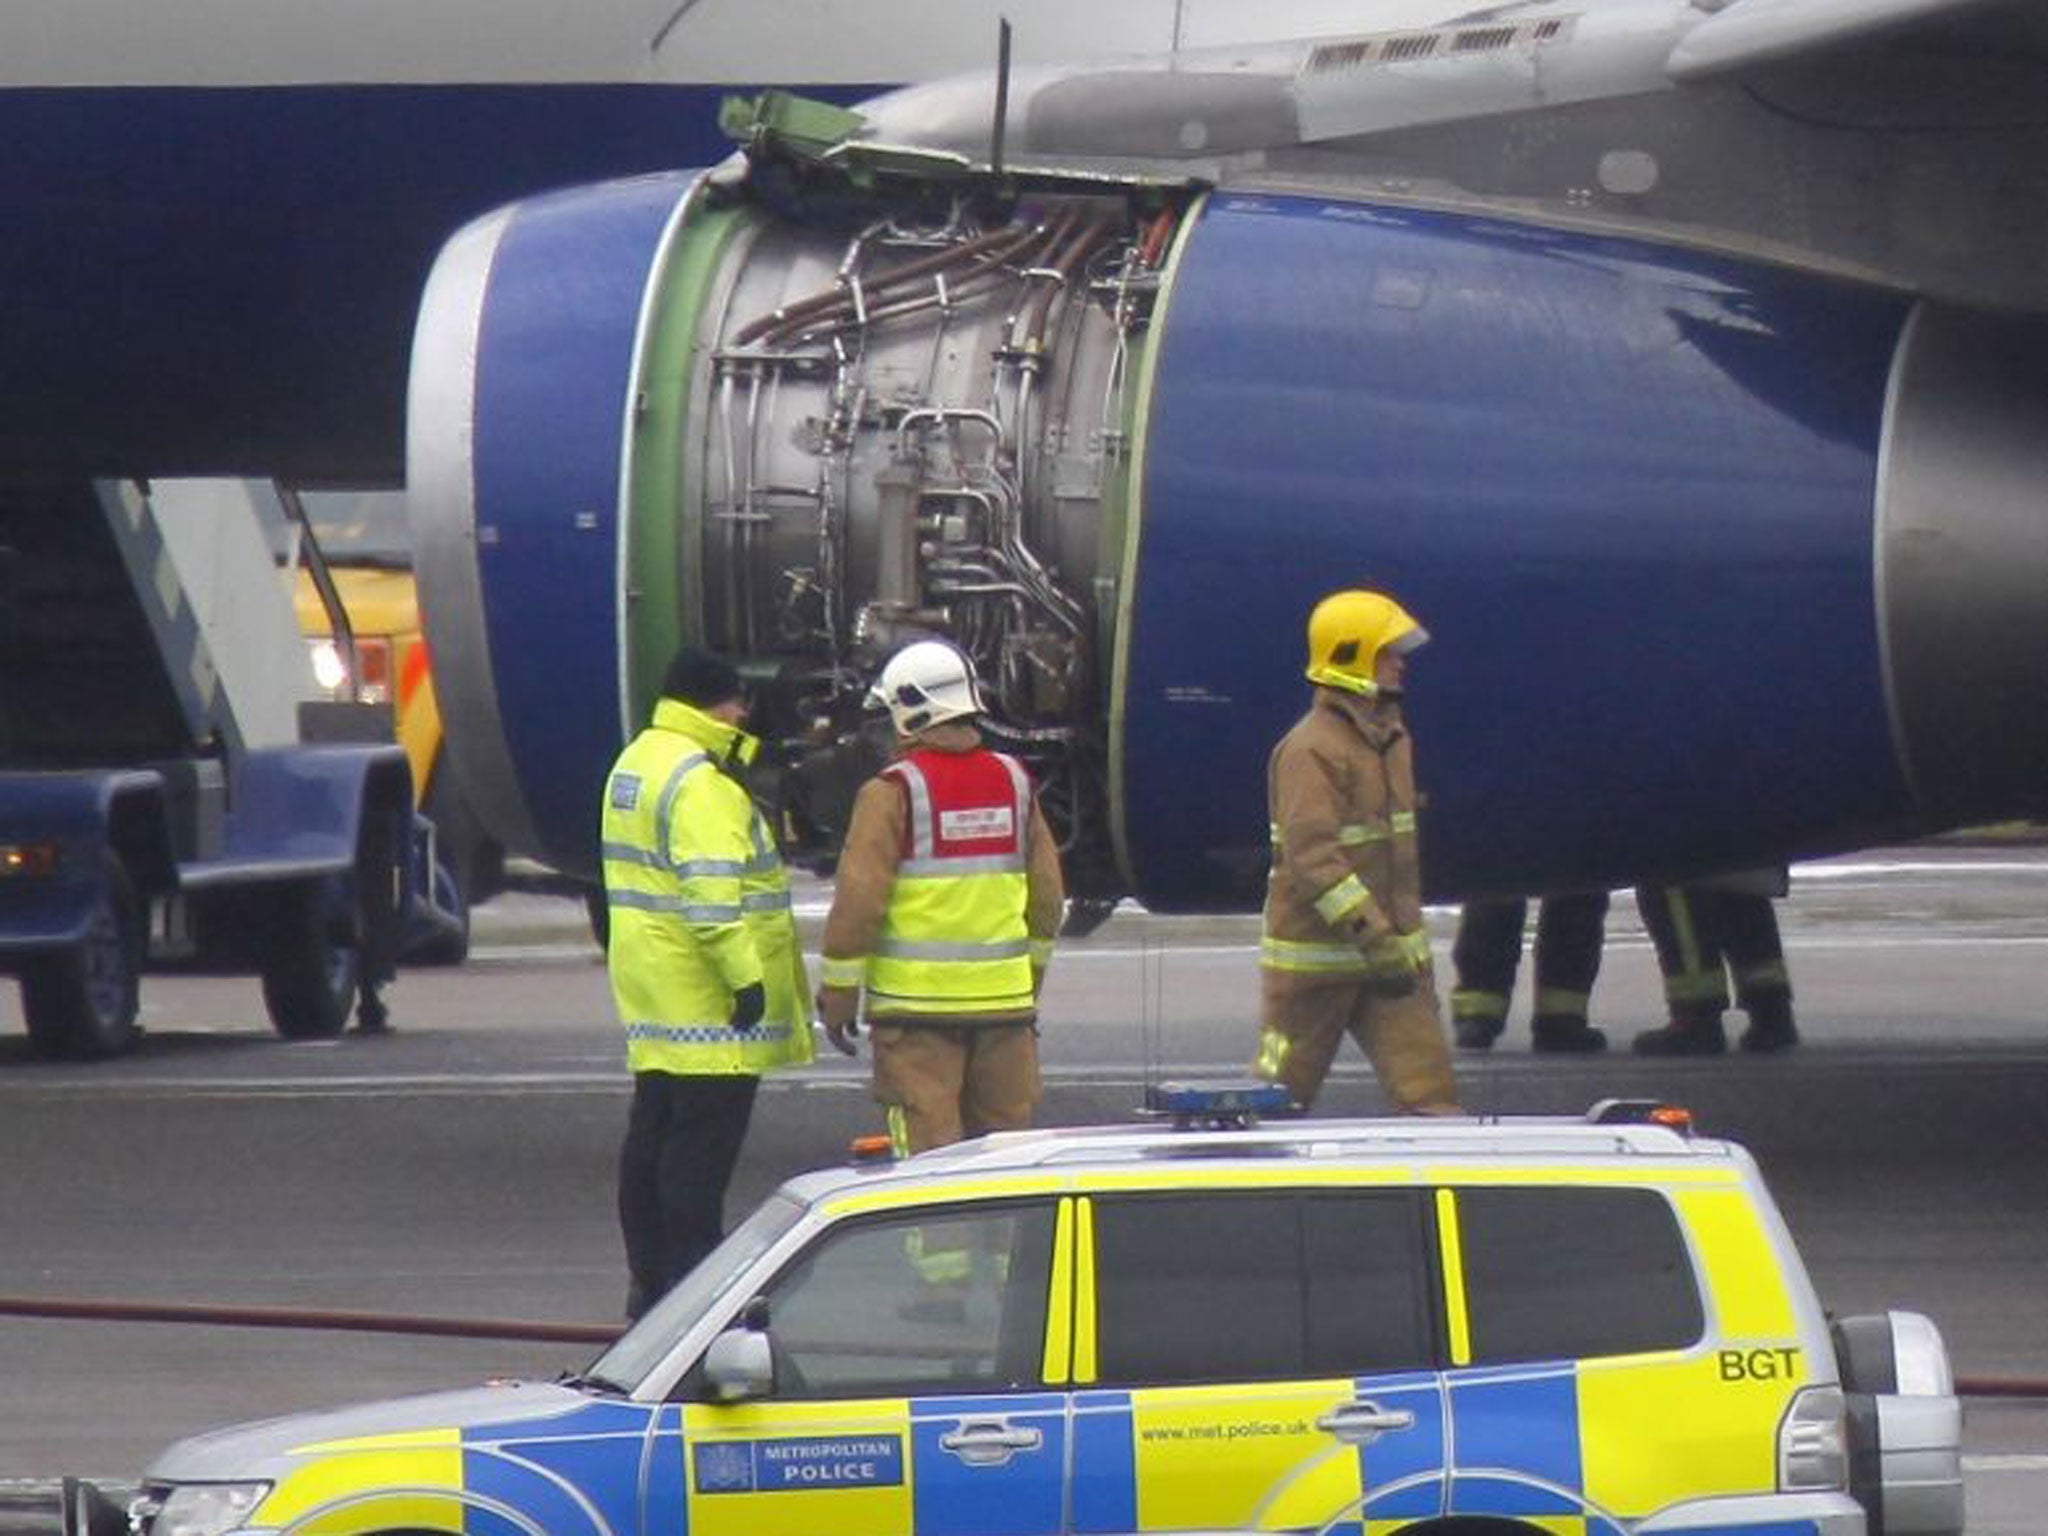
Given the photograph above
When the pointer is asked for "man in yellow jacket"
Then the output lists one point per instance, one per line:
(705, 967)
(1344, 950)
(947, 899)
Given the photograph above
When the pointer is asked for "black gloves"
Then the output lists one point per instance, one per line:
(748, 1005)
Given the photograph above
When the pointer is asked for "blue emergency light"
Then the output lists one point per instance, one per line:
(1217, 1106)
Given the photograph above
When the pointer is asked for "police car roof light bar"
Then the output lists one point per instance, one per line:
(1641, 1112)
(1212, 1106)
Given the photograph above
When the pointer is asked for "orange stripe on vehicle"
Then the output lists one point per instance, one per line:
(413, 673)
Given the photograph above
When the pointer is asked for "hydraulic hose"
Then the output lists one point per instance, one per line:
(323, 1319)
(315, 1318)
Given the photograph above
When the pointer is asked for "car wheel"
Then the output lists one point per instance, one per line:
(80, 1002)
(313, 967)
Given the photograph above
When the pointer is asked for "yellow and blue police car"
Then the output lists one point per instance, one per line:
(1507, 1327)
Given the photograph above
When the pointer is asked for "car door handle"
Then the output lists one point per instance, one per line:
(1361, 1423)
(989, 1442)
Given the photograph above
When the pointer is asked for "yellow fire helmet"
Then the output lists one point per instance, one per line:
(1346, 633)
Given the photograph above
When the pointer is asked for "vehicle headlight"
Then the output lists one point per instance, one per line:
(205, 1509)
(329, 670)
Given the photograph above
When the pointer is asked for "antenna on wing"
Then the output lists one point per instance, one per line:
(995, 143)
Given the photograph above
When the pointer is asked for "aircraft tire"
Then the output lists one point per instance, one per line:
(80, 1002)
(311, 970)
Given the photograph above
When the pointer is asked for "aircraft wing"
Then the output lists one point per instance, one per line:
(1746, 33)
(1216, 102)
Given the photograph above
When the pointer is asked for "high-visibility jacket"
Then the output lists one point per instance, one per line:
(1341, 795)
(949, 889)
(699, 904)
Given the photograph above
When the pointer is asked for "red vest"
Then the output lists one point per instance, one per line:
(954, 941)
(963, 805)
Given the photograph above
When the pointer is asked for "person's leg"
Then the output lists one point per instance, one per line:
(1304, 1021)
(1485, 955)
(1403, 1037)
(919, 1070)
(706, 1124)
(1001, 1084)
(1570, 933)
(1695, 987)
(1756, 957)
(640, 1219)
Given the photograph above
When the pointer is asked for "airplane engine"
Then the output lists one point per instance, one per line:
(1724, 561)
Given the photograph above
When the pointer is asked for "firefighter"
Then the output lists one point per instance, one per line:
(947, 900)
(1344, 950)
(1705, 932)
(1488, 951)
(705, 967)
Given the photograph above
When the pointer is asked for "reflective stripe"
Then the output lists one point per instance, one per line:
(1470, 1003)
(676, 906)
(939, 949)
(725, 869)
(708, 1034)
(1770, 974)
(765, 901)
(1451, 1250)
(1059, 1317)
(1020, 786)
(626, 853)
(1556, 1000)
(912, 778)
(1696, 987)
(1347, 895)
(666, 807)
(1417, 945)
(1084, 1291)
(1357, 835)
(899, 1129)
(1272, 1057)
(989, 864)
(1404, 821)
(1288, 955)
(843, 973)
(1041, 953)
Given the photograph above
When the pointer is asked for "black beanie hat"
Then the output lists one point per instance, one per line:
(700, 678)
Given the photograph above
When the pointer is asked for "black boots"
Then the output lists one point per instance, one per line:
(1566, 1032)
(1770, 1026)
(1688, 1034)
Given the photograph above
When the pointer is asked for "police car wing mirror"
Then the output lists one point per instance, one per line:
(739, 1367)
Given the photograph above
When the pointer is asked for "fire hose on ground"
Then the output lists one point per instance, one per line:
(510, 1330)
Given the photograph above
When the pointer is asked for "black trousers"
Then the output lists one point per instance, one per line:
(682, 1138)
(1703, 936)
(1570, 930)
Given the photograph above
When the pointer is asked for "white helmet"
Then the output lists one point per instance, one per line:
(924, 683)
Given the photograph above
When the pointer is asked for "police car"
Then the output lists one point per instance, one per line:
(1506, 1327)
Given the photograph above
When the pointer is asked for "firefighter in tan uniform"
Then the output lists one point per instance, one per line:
(947, 899)
(1344, 950)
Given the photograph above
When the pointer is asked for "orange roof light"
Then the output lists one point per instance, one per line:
(869, 1149)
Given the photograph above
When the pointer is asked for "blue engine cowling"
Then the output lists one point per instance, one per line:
(1725, 561)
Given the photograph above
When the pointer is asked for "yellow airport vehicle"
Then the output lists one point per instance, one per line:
(1522, 1327)
(368, 550)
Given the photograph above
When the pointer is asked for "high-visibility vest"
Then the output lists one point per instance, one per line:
(954, 940)
(698, 905)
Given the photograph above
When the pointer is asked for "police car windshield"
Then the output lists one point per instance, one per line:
(647, 1343)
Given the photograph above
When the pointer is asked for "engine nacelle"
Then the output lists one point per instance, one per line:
(1725, 561)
